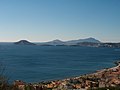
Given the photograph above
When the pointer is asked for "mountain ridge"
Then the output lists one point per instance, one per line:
(72, 42)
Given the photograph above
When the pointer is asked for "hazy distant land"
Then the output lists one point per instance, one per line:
(89, 42)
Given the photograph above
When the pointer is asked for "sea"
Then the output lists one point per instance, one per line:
(34, 63)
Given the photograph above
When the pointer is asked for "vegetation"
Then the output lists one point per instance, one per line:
(109, 88)
(4, 85)
(3, 79)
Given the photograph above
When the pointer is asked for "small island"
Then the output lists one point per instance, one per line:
(24, 42)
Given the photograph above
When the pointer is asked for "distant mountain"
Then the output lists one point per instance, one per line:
(90, 40)
(54, 42)
(24, 42)
(71, 42)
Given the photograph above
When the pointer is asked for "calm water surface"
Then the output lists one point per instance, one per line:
(38, 63)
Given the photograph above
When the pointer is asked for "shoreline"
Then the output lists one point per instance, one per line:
(109, 77)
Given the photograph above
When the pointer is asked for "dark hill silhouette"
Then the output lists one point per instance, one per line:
(24, 42)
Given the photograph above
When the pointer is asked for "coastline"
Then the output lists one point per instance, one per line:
(109, 77)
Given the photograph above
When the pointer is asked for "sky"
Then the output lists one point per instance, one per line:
(45, 20)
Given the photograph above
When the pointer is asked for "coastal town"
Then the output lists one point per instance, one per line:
(104, 78)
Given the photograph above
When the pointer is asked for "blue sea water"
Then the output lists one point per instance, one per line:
(38, 63)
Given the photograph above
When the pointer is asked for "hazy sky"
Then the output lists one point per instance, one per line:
(44, 20)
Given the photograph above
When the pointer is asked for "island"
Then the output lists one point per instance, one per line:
(24, 42)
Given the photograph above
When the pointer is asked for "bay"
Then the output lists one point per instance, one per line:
(42, 63)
